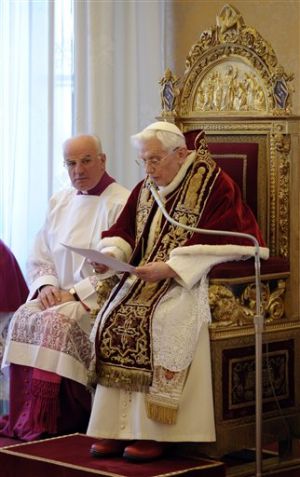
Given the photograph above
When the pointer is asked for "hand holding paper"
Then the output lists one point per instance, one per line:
(98, 257)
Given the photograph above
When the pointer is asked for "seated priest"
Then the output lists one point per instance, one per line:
(48, 346)
(151, 362)
(13, 293)
(13, 287)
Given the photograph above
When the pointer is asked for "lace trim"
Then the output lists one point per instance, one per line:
(177, 324)
(52, 330)
(39, 269)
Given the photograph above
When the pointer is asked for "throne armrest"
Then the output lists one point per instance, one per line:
(232, 291)
(241, 271)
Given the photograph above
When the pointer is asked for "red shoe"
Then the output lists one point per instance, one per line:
(108, 448)
(142, 451)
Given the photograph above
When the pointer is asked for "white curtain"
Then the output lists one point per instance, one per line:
(118, 63)
(110, 90)
(19, 138)
(31, 108)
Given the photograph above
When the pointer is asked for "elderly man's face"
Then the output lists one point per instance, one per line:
(160, 165)
(85, 164)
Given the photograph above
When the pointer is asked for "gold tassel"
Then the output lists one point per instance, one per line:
(123, 378)
(162, 414)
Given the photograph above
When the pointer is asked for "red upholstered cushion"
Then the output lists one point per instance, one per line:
(245, 268)
(238, 159)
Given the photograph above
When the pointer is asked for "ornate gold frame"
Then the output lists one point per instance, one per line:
(234, 49)
(234, 57)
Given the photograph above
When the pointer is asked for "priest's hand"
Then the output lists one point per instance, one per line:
(155, 271)
(49, 296)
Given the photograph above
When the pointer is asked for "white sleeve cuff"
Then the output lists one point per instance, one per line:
(87, 293)
(192, 262)
(39, 282)
(118, 246)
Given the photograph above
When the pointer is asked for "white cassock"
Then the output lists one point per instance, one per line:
(180, 337)
(57, 339)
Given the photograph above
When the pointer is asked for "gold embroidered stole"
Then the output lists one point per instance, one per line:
(124, 344)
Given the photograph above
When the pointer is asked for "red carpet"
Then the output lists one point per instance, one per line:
(8, 441)
(68, 456)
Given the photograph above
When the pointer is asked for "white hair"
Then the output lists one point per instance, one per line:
(88, 137)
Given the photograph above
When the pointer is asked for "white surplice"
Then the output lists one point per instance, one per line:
(57, 339)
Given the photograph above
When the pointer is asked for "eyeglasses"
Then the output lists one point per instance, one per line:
(85, 162)
(153, 161)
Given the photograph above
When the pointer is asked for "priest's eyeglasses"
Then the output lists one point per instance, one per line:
(154, 160)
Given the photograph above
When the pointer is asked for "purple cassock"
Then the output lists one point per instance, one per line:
(13, 287)
(13, 293)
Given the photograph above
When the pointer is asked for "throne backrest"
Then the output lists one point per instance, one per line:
(239, 160)
(240, 97)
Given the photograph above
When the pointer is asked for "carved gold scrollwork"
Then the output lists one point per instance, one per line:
(275, 307)
(232, 68)
(226, 309)
(272, 302)
(282, 148)
(229, 308)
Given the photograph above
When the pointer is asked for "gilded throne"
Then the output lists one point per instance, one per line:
(234, 89)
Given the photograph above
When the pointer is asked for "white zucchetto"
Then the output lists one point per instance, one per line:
(164, 126)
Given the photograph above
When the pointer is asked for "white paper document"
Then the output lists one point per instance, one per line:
(98, 257)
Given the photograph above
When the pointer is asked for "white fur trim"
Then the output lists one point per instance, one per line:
(165, 190)
(243, 251)
(119, 243)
